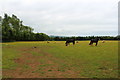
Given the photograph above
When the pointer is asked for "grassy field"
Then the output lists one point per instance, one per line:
(55, 60)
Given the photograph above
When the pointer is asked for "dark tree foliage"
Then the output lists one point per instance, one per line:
(80, 38)
(14, 30)
(41, 37)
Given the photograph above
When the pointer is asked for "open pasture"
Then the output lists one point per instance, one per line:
(55, 60)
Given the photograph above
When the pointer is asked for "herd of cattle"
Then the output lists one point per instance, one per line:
(68, 41)
(73, 41)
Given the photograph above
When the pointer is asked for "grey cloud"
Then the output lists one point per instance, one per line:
(65, 17)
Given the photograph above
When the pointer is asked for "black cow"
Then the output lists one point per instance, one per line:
(68, 41)
(94, 41)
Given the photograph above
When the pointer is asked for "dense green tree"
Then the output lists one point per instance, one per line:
(41, 37)
(14, 30)
(6, 30)
(1, 28)
(118, 37)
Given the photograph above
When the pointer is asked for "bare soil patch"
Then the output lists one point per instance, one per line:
(32, 66)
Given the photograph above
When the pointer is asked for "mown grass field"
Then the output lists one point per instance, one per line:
(55, 60)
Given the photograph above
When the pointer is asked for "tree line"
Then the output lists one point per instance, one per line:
(14, 30)
(80, 38)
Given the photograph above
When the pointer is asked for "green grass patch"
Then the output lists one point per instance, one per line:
(89, 61)
(8, 55)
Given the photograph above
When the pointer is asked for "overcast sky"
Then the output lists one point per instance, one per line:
(66, 17)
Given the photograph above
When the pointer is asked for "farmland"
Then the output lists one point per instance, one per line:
(39, 59)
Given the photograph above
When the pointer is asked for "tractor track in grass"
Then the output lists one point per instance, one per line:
(35, 66)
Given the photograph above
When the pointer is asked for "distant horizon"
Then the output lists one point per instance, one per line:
(76, 35)
(82, 35)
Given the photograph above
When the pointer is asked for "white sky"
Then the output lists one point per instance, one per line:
(66, 17)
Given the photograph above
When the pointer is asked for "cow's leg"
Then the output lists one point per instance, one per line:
(73, 43)
(90, 43)
(96, 43)
(66, 44)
